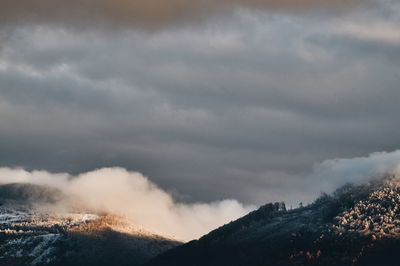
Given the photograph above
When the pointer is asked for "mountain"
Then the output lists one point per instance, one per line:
(38, 226)
(356, 225)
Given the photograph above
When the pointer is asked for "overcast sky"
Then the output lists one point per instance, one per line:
(231, 99)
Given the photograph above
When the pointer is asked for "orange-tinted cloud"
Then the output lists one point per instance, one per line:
(139, 13)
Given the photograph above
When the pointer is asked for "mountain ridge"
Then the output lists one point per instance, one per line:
(356, 225)
(39, 227)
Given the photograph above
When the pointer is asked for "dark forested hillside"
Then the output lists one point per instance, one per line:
(357, 225)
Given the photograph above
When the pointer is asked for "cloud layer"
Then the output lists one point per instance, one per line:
(117, 191)
(240, 108)
(331, 174)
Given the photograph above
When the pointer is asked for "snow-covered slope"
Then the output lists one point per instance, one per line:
(357, 225)
(36, 231)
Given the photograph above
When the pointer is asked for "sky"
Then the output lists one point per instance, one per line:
(211, 100)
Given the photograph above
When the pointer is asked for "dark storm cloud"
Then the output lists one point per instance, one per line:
(242, 108)
(147, 13)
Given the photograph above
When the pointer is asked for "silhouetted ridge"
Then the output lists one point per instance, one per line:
(356, 225)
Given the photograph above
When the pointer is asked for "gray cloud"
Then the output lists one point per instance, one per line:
(242, 108)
